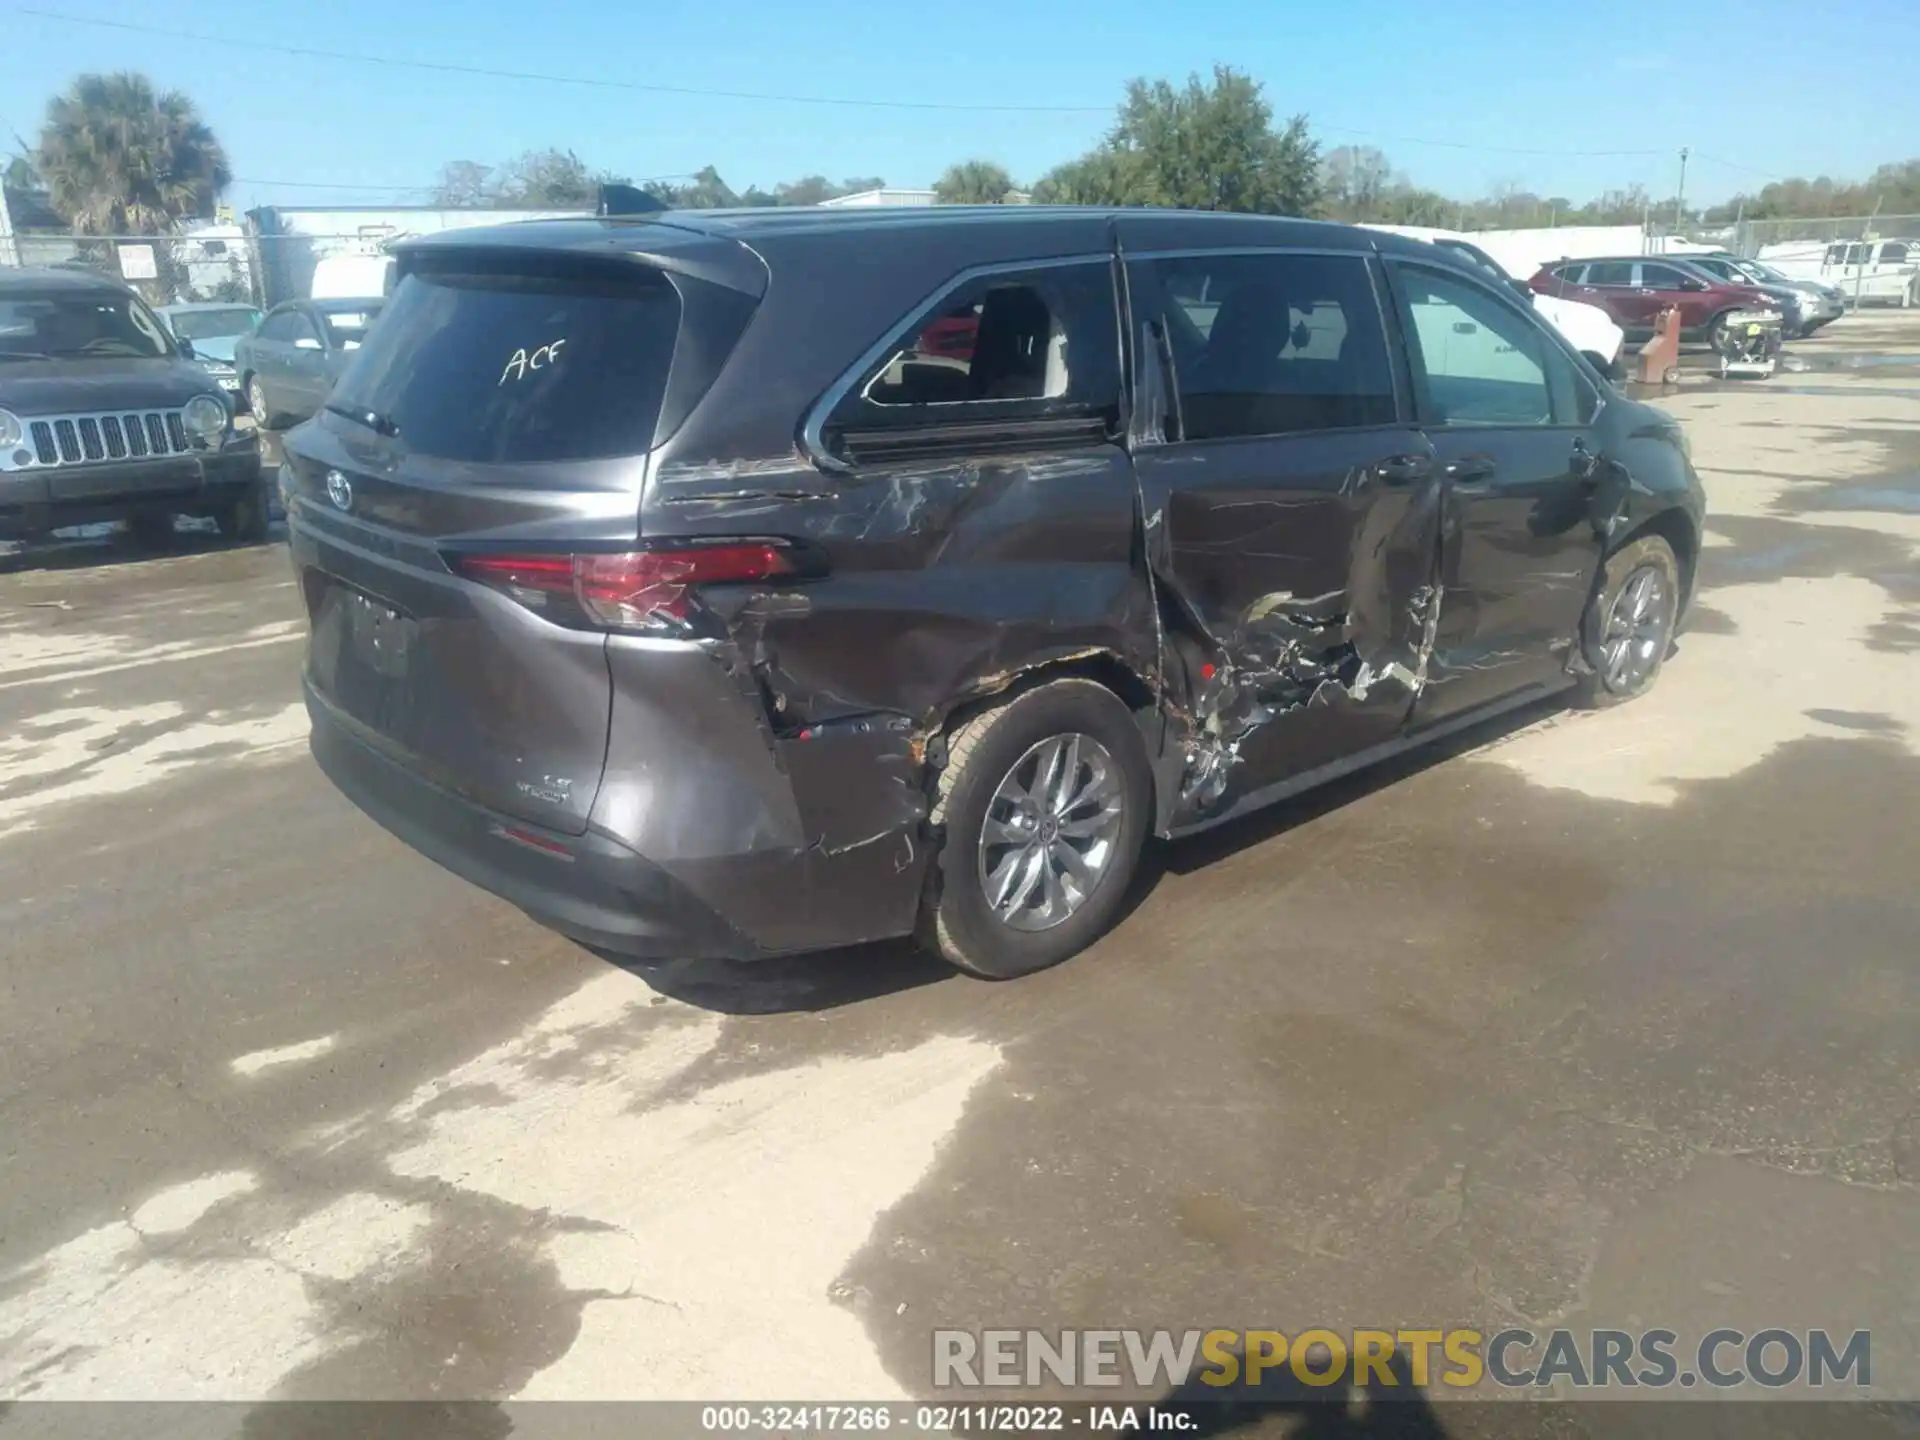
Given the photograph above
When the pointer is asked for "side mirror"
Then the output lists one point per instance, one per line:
(306, 342)
(185, 347)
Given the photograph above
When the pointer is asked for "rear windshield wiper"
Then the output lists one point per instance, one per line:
(372, 419)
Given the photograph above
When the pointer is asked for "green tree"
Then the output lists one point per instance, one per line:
(1205, 146)
(707, 192)
(1100, 177)
(542, 180)
(973, 182)
(1357, 183)
(118, 157)
(463, 184)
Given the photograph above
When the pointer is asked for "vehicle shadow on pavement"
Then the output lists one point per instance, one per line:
(378, 1420)
(817, 980)
(99, 552)
(1283, 1404)
(1183, 857)
(829, 979)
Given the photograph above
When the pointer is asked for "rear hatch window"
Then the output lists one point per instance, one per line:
(506, 368)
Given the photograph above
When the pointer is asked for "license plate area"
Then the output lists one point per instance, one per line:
(363, 657)
(380, 637)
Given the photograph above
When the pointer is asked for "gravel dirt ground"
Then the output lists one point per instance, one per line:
(1587, 1019)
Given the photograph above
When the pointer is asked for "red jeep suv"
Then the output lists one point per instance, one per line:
(1634, 289)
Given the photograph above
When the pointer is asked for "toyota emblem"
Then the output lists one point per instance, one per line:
(339, 490)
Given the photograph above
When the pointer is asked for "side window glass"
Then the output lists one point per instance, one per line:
(1571, 273)
(1275, 344)
(1836, 255)
(301, 328)
(1659, 277)
(1022, 343)
(1610, 272)
(1894, 252)
(274, 327)
(1480, 361)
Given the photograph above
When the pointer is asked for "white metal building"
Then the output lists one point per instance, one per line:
(890, 195)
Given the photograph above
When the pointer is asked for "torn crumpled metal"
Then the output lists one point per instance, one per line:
(1293, 654)
(1424, 606)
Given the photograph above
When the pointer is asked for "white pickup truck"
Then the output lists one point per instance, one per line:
(1865, 271)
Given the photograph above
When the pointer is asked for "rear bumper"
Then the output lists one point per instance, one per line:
(35, 501)
(858, 879)
(588, 887)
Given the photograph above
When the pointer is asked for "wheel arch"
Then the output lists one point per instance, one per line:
(1103, 667)
(1677, 528)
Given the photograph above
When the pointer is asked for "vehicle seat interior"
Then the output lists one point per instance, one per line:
(1012, 349)
(1246, 383)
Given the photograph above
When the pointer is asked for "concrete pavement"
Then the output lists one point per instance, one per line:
(1590, 1019)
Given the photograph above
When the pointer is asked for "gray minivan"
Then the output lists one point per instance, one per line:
(740, 583)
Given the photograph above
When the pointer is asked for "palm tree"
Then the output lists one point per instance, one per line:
(119, 158)
(973, 182)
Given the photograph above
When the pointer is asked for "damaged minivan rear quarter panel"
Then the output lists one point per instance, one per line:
(958, 542)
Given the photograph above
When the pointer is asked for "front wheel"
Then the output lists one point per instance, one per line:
(245, 520)
(1044, 802)
(1628, 626)
(1717, 334)
(257, 403)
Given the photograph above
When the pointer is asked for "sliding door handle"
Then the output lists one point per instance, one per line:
(1471, 470)
(1403, 469)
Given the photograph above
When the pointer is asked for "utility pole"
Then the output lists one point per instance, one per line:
(1680, 196)
(9, 253)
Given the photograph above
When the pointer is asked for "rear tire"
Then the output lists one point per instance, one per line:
(1093, 800)
(1628, 628)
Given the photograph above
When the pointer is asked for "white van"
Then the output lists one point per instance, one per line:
(352, 277)
(1869, 271)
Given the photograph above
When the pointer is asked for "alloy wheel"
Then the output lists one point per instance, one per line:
(1636, 634)
(1051, 831)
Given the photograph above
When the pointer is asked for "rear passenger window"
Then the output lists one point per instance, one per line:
(1028, 342)
(1894, 252)
(1479, 361)
(1610, 272)
(1274, 344)
(510, 367)
(1571, 273)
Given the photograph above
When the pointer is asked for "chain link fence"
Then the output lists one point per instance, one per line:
(1757, 235)
(1873, 258)
(237, 267)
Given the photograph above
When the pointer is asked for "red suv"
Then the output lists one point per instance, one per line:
(1634, 289)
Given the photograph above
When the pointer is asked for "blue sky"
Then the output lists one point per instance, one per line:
(1449, 90)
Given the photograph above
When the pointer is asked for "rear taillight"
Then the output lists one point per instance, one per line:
(632, 589)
